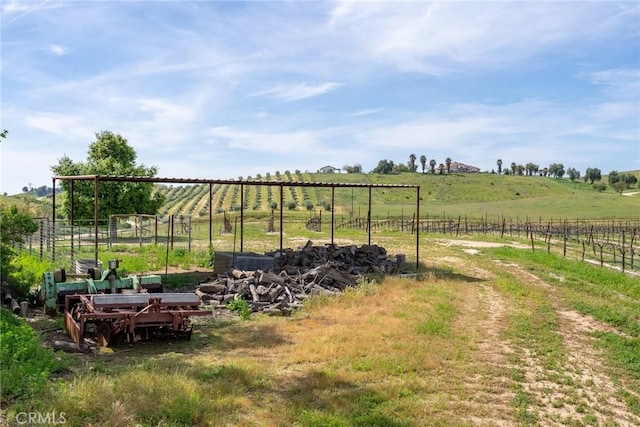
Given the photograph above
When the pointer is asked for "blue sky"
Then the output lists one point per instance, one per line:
(209, 89)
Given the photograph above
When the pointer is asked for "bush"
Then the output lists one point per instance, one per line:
(25, 365)
(600, 186)
(26, 272)
(291, 205)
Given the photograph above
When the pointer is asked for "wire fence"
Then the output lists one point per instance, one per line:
(610, 242)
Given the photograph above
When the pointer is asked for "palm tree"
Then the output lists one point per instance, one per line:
(513, 167)
(423, 162)
(412, 163)
(499, 166)
(432, 164)
(441, 168)
(448, 162)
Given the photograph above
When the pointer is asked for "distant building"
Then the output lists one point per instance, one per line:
(457, 167)
(329, 169)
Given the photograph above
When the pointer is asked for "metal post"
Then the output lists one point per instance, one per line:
(241, 218)
(333, 210)
(95, 216)
(71, 219)
(281, 217)
(53, 222)
(418, 229)
(210, 213)
(369, 217)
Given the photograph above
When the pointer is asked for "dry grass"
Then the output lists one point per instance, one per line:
(470, 342)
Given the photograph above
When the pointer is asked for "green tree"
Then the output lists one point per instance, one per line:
(557, 170)
(15, 225)
(499, 163)
(423, 162)
(631, 180)
(384, 167)
(432, 165)
(619, 186)
(592, 175)
(448, 163)
(613, 177)
(514, 166)
(531, 169)
(573, 173)
(412, 163)
(400, 167)
(109, 154)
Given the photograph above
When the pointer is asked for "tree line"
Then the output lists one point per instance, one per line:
(619, 181)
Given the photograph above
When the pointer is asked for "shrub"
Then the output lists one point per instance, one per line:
(25, 365)
(600, 186)
(26, 272)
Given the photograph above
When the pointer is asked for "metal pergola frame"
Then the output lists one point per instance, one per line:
(111, 178)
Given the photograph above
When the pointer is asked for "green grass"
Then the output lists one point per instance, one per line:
(25, 366)
(473, 195)
(607, 295)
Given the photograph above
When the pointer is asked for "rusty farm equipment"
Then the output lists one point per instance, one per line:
(118, 309)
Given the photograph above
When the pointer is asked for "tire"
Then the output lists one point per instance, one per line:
(59, 275)
(95, 272)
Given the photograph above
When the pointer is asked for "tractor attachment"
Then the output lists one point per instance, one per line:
(131, 317)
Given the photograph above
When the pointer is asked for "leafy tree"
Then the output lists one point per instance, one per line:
(384, 167)
(423, 162)
(4, 134)
(499, 163)
(448, 163)
(432, 165)
(441, 168)
(573, 173)
(557, 170)
(600, 186)
(357, 168)
(15, 224)
(109, 154)
(520, 169)
(412, 163)
(592, 175)
(631, 180)
(531, 169)
(619, 186)
(514, 166)
(613, 177)
(399, 168)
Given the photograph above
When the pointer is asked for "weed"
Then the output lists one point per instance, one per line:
(239, 306)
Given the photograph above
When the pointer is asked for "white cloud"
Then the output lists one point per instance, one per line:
(438, 37)
(295, 92)
(366, 112)
(57, 49)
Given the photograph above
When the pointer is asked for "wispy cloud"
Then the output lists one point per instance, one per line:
(295, 92)
(366, 112)
(57, 49)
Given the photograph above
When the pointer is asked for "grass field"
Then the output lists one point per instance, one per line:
(488, 335)
(474, 195)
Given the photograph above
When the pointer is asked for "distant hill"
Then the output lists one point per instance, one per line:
(457, 194)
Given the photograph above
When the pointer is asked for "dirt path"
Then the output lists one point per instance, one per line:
(581, 388)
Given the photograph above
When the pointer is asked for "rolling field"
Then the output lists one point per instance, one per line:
(474, 195)
(489, 333)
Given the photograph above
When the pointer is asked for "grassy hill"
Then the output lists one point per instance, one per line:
(473, 195)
